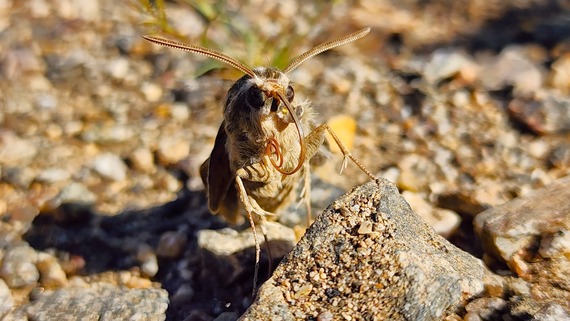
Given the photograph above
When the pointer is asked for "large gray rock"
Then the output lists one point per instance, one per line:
(532, 235)
(369, 257)
(101, 301)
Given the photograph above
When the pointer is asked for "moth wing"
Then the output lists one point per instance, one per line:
(219, 180)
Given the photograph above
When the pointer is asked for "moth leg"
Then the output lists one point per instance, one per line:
(307, 191)
(249, 209)
(263, 226)
(318, 134)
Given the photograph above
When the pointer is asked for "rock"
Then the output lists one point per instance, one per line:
(76, 193)
(107, 134)
(560, 75)
(445, 63)
(486, 308)
(552, 312)
(19, 266)
(224, 249)
(101, 301)
(171, 244)
(540, 220)
(531, 234)
(110, 166)
(400, 270)
(6, 299)
(417, 172)
(546, 114)
(152, 92)
(51, 272)
(171, 150)
(143, 159)
(15, 150)
(147, 259)
(512, 67)
(118, 68)
(53, 175)
(443, 221)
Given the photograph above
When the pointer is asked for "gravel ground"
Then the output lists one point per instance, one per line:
(102, 133)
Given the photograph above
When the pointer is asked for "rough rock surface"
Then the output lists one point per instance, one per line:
(532, 236)
(100, 301)
(368, 256)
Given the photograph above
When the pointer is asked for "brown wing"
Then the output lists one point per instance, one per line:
(219, 180)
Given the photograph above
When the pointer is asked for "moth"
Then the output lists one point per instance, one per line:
(261, 151)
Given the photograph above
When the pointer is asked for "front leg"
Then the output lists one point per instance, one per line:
(315, 139)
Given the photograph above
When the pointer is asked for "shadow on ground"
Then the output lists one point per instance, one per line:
(108, 244)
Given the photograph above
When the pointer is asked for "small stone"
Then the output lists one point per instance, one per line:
(416, 172)
(486, 307)
(148, 261)
(118, 68)
(53, 175)
(45, 101)
(15, 150)
(136, 282)
(445, 63)
(512, 67)
(444, 222)
(143, 159)
(76, 193)
(180, 112)
(151, 92)
(171, 244)
(560, 76)
(6, 299)
(51, 273)
(110, 166)
(18, 266)
(79, 10)
(171, 150)
(19, 176)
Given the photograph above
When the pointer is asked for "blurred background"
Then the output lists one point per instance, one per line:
(463, 104)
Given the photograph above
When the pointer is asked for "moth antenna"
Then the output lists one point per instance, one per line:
(297, 61)
(202, 51)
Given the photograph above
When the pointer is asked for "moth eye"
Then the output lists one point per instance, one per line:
(290, 94)
(274, 104)
(254, 98)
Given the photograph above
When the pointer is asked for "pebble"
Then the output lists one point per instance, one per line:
(180, 112)
(15, 150)
(152, 92)
(76, 193)
(110, 166)
(171, 244)
(19, 266)
(560, 75)
(416, 172)
(53, 175)
(444, 222)
(171, 150)
(148, 260)
(512, 67)
(51, 272)
(445, 63)
(118, 68)
(143, 159)
(6, 299)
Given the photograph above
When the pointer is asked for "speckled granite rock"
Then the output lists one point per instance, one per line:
(101, 301)
(369, 256)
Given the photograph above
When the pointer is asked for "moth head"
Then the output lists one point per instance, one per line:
(265, 87)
